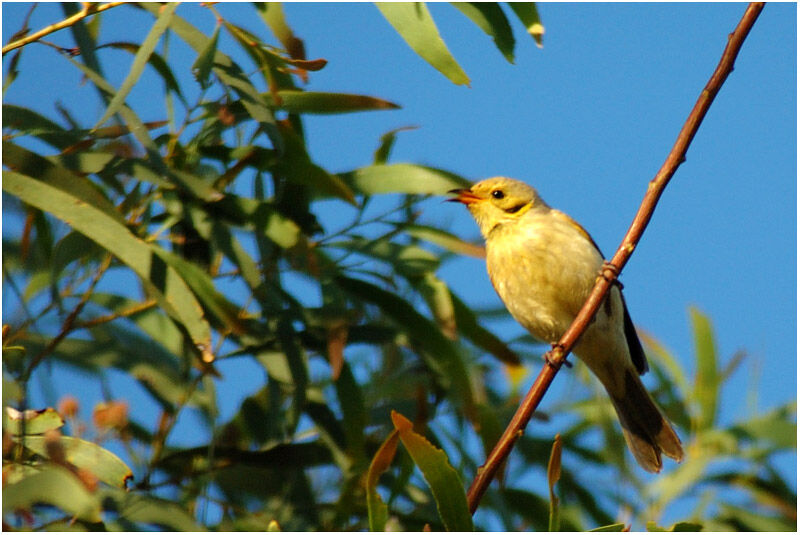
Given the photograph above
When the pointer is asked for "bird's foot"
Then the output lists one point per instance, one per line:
(551, 362)
(610, 272)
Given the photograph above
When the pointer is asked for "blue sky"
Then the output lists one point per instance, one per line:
(587, 120)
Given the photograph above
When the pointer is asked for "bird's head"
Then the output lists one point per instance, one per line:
(499, 200)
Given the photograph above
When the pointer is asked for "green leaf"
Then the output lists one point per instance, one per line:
(529, 15)
(680, 526)
(377, 510)
(319, 103)
(387, 142)
(84, 454)
(229, 74)
(440, 302)
(36, 421)
(472, 330)
(30, 123)
(414, 23)
(611, 527)
(489, 17)
(707, 383)
(403, 178)
(439, 353)
(173, 293)
(553, 475)
(443, 480)
(56, 486)
(444, 239)
(143, 509)
(354, 415)
(155, 61)
(272, 13)
(201, 68)
(139, 61)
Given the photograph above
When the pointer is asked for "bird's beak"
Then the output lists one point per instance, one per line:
(464, 196)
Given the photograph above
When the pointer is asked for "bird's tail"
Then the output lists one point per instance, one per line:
(646, 431)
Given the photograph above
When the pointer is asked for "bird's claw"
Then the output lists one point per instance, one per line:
(610, 272)
(551, 362)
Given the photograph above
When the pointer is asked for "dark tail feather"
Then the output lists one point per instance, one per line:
(646, 431)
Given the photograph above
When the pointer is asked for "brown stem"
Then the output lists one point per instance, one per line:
(89, 9)
(555, 357)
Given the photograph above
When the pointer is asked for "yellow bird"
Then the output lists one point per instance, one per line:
(543, 265)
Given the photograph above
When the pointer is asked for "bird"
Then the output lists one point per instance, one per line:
(543, 265)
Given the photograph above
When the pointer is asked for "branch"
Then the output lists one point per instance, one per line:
(556, 357)
(88, 9)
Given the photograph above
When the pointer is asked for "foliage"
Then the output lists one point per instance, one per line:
(204, 222)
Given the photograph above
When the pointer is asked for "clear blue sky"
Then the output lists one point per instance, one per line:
(587, 120)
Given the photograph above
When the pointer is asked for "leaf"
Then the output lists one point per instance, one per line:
(387, 142)
(444, 239)
(319, 103)
(553, 475)
(620, 526)
(36, 421)
(413, 22)
(489, 17)
(151, 510)
(439, 353)
(229, 73)
(30, 123)
(139, 61)
(440, 302)
(172, 292)
(402, 178)
(354, 415)
(529, 15)
(84, 454)
(707, 383)
(53, 485)
(443, 480)
(377, 510)
(272, 13)
(201, 68)
(155, 61)
(472, 330)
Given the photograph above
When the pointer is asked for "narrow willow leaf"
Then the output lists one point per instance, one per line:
(35, 422)
(620, 526)
(155, 61)
(472, 330)
(387, 143)
(139, 61)
(377, 510)
(414, 23)
(707, 383)
(444, 239)
(489, 17)
(29, 122)
(529, 15)
(230, 74)
(315, 102)
(201, 68)
(403, 178)
(443, 480)
(173, 293)
(440, 353)
(354, 414)
(272, 13)
(151, 510)
(553, 475)
(84, 454)
(440, 302)
(53, 485)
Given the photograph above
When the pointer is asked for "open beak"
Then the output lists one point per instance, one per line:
(464, 196)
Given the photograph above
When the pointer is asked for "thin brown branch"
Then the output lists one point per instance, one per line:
(556, 357)
(69, 322)
(88, 10)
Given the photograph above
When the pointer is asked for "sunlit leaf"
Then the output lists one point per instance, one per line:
(139, 61)
(489, 17)
(84, 454)
(706, 389)
(443, 480)
(53, 485)
(403, 178)
(377, 510)
(414, 23)
(34, 422)
(176, 298)
(529, 15)
(201, 68)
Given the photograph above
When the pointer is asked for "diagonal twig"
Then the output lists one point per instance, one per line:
(556, 357)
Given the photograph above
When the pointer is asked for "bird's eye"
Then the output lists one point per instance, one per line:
(497, 194)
